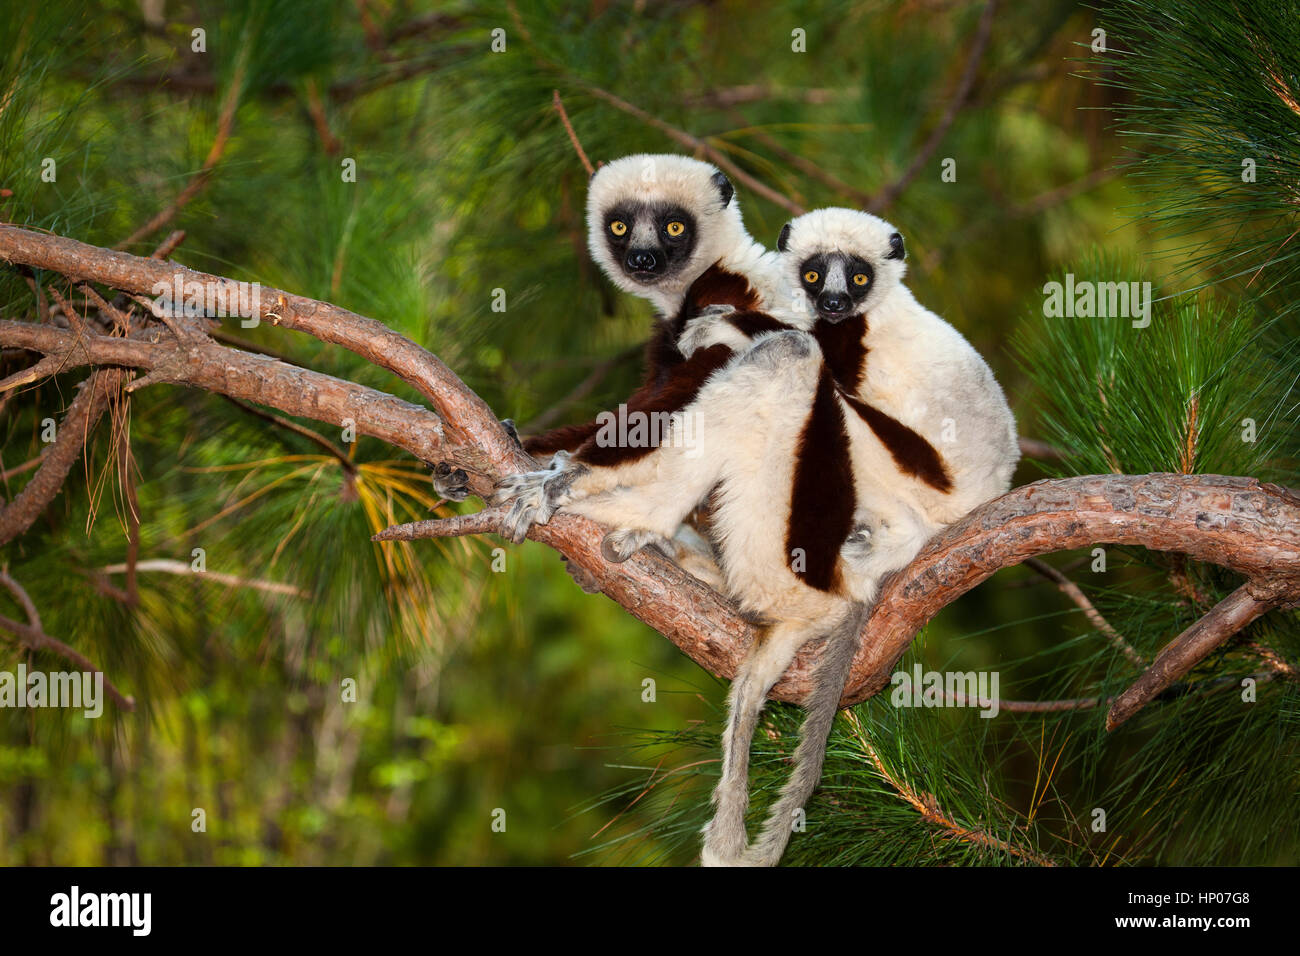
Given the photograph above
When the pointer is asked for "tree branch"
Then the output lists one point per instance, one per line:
(470, 423)
(32, 636)
(1228, 617)
(230, 372)
(1075, 594)
(81, 417)
(166, 566)
(1237, 523)
(885, 198)
(225, 122)
(928, 806)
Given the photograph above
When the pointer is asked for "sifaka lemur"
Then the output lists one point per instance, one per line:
(666, 228)
(831, 471)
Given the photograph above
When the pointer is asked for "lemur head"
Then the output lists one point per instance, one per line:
(655, 223)
(845, 261)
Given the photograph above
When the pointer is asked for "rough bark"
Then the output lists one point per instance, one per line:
(1238, 523)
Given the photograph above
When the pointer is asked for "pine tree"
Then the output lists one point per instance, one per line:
(407, 162)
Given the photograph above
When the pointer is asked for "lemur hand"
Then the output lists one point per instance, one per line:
(535, 495)
(450, 483)
(705, 330)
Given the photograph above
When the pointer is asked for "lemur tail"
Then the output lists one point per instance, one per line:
(821, 706)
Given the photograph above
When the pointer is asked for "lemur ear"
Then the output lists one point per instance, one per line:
(783, 240)
(720, 180)
(896, 247)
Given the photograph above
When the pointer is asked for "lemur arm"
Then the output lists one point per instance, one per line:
(662, 356)
(655, 486)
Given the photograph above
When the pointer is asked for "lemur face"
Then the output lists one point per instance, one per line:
(846, 261)
(836, 283)
(650, 240)
(655, 223)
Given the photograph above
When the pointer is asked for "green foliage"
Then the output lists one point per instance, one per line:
(480, 688)
(1214, 108)
(1172, 396)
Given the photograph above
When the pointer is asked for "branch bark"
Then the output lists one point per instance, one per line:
(1238, 523)
(1228, 617)
(80, 420)
(470, 423)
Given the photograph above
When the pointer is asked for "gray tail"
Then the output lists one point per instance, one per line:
(821, 706)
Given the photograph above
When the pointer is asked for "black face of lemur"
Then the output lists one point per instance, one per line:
(836, 284)
(650, 240)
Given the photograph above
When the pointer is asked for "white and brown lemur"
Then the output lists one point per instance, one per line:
(666, 228)
(832, 471)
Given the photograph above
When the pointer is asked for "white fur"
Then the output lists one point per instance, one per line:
(923, 372)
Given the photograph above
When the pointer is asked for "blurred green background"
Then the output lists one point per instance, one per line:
(483, 687)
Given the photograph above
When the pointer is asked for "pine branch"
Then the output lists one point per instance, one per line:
(1075, 594)
(1228, 617)
(32, 636)
(82, 415)
(885, 198)
(1238, 523)
(931, 812)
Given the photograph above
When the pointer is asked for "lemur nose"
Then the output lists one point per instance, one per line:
(642, 260)
(832, 302)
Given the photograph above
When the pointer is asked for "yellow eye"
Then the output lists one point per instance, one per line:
(860, 279)
(810, 276)
(618, 227)
(676, 228)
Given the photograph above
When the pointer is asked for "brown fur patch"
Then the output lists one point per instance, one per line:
(913, 454)
(845, 351)
(677, 391)
(754, 324)
(566, 438)
(822, 500)
(717, 286)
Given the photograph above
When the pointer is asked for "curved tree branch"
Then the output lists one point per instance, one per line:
(80, 420)
(470, 422)
(1237, 523)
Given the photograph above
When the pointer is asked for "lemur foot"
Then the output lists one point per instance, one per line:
(704, 330)
(509, 425)
(581, 577)
(779, 349)
(535, 495)
(450, 483)
(618, 546)
(858, 544)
